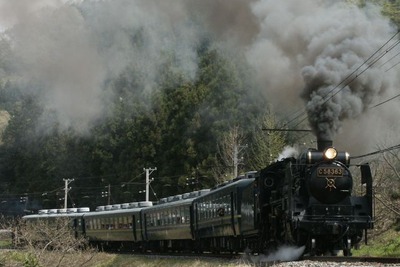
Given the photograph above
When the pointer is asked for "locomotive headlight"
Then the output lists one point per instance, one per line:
(330, 153)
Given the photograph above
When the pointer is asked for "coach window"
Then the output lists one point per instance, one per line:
(214, 209)
(126, 221)
(107, 223)
(147, 218)
(169, 217)
(188, 215)
(181, 216)
(115, 223)
(111, 223)
(120, 223)
(200, 208)
(174, 216)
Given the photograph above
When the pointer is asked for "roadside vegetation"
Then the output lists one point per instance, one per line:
(387, 244)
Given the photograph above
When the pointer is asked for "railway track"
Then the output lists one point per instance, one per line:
(384, 260)
(265, 260)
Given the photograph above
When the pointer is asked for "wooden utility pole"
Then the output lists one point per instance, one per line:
(66, 190)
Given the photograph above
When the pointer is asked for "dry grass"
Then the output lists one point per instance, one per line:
(50, 258)
(16, 258)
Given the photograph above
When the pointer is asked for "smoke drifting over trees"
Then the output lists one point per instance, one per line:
(67, 51)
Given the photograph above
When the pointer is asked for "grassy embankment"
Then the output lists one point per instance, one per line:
(387, 244)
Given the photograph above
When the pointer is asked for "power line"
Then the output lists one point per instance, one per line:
(389, 60)
(377, 105)
(370, 64)
(286, 130)
(392, 66)
(377, 152)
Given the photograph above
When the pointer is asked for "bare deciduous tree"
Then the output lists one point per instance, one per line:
(267, 144)
(386, 187)
(230, 155)
(50, 242)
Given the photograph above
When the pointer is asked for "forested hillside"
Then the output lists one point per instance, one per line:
(181, 106)
(175, 128)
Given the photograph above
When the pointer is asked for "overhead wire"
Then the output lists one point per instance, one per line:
(384, 102)
(377, 152)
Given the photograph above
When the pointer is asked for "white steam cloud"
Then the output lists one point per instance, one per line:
(283, 253)
(66, 52)
(288, 151)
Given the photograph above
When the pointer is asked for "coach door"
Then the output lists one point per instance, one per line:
(134, 227)
(233, 211)
(195, 220)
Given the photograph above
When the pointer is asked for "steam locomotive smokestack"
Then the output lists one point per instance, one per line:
(323, 144)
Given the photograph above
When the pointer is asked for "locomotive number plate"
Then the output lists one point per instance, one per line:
(329, 172)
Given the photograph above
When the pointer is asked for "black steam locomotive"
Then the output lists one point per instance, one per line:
(309, 201)
(302, 202)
